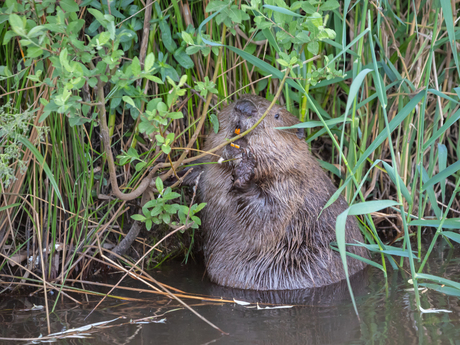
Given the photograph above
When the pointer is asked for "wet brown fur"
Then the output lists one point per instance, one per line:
(265, 233)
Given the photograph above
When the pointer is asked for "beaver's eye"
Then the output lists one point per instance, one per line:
(277, 116)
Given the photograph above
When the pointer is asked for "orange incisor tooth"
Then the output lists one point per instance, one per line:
(234, 145)
(237, 130)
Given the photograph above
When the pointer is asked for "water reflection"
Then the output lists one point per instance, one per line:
(320, 316)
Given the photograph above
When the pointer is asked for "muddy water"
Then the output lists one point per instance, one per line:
(323, 316)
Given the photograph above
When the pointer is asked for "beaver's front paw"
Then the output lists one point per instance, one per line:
(244, 172)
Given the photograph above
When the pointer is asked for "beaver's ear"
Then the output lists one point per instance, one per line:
(300, 133)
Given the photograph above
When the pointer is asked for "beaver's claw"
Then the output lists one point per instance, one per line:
(245, 170)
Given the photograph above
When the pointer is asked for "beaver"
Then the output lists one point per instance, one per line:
(263, 226)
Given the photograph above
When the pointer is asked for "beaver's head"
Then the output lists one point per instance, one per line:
(244, 113)
(250, 108)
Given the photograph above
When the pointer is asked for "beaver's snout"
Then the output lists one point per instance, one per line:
(246, 107)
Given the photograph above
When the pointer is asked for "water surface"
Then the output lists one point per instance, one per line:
(387, 312)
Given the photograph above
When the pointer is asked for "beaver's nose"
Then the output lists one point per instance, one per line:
(246, 107)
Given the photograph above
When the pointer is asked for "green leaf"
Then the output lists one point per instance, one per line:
(56, 28)
(149, 204)
(438, 280)
(92, 82)
(187, 38)
(63, 60)
(282, 10)
(168, 71)
(34, 52)
(215, 122)
(25, 42)
(282, 62)
(69, 5)
(17, 24)
(215, 6)
(183, 59)
(176, 115)
(159, 185)
(170, 137)
(153, 104)
(441, 176)
(8, 36)
(166, 218)
(329, 5)
(330, 167)
(199, 207)
(303, 37)
(156, 211)
(196, 220)
(140, 166)
(326, 34)
(166, 36)
(370, 206)
(153, 78)
(34, 77)
(162, 107)
(192, 50)
(146, 127)
(138, 217)
(452, 235)
(354, 89)
(452, 223)
(45, 167)
(159, 138)
(149, 62)
(236, 15)
(97, 14)
(282, 36)
(169, 208)
(51, 106)
(340, 235)
(312, 124)
(313, 47)
(388, 250)
(264, 25)
(112, 30)
(35, 31)
(442, 163)
(367, 261)
(9, 206)
(136, 66)
(316, 20)
(129, 100)
(446, 290)
(307, 7)
(449, 122)
(166, 149)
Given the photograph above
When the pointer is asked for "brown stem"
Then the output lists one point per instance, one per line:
(109, 156)
(126, 243)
